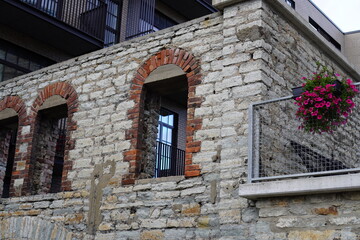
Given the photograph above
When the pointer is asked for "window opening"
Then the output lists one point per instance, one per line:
(15, 61)
(59, 156)
(47, 159)
(8, 148)
(50, 7)
(106, 13)
(291, 3)
(324, 33)
(161, 21)
(112, 23)
(169, 159)
(140, 20)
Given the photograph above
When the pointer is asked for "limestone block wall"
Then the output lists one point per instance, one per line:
(44, 155)
(287, 58)
(247, 53)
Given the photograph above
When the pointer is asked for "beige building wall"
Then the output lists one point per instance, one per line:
(307, 9)
(352, 48)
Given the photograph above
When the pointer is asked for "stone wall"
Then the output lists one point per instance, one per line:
(287, 58)
(247, 53)
(151, 117)
(47, 134)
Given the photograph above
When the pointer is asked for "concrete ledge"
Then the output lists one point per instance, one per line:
(221, 4)
(160, 180)
(314, 185)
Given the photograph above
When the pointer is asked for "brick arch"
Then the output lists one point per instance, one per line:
(18, 105)
(190, 65)
(66, 91)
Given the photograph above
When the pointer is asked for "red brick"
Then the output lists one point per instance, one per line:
(195, 173)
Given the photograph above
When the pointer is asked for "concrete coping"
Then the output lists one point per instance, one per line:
(303, 186)
(159, 180)
(53, 101)
(164, 72)
(7, 113)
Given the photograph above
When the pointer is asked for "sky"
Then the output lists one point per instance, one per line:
(344, 13)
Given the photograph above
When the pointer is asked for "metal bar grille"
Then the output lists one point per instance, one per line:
(98, 18)
(170, 161)
(140, 18)
(278, 149)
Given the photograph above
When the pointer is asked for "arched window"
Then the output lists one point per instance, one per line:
(48, 146)
(164, 122)
(163, 88)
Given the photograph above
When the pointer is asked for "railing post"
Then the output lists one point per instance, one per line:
(250, 143)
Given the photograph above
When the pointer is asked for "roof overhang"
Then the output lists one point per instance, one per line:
(43, 27)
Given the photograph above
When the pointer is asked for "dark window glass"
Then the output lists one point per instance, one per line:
(112, 23)
(48, 6)
(162, 21)
(169, 159)
(15, 61)
(324, 33)
(291, 3)
(167, 129)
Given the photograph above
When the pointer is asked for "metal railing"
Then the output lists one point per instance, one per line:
(140, 19)
(278, 149)
(170, 161)
(88, 16)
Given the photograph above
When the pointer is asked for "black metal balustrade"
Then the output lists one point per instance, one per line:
(170, 161)
(88, 16)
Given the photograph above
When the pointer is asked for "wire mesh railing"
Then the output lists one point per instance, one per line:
(279, 149)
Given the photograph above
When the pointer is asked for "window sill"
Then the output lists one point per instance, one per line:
(292, 187)
(159, 180)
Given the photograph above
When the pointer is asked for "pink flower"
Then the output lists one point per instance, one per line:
(336, 74)
(329, 86)
(328, 104)
(349, 101)
(314, 113)
(318, 99)
(319, 117)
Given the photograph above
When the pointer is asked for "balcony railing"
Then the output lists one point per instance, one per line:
(278, 149)
(88, 16)
(170, 161)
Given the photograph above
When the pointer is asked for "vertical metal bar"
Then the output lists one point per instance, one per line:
(250, 143)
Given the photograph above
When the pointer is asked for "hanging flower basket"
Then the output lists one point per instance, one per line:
(324, 101)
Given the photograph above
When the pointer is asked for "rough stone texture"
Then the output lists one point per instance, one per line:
(245, 54)
(44, 155)
(151, 117)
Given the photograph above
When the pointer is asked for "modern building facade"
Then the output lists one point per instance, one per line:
(345, 42)
(38, 33)
(163, 137)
